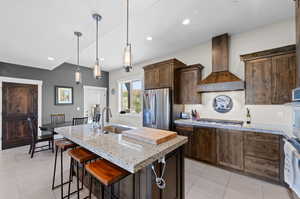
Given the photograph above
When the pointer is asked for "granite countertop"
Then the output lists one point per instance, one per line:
(129, 154)
(261, 128)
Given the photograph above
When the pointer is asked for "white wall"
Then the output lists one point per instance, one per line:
(271, 36)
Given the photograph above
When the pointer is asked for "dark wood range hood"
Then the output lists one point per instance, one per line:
(220, 79)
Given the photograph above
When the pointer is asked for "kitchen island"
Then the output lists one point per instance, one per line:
(137, 158)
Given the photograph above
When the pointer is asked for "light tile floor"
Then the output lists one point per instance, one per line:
(206, 182)
(25, 178)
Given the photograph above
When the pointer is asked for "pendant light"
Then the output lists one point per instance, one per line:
(97, 67)
(78, 75)
(127, 51)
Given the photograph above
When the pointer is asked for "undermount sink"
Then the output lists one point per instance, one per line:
(115, 129)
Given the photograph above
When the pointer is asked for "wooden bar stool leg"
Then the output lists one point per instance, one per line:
(52, 143)
(70, 178)
(54, 170)
(109, 192)
(91, 186)
(77, 170)
(30, 148)
(82, 177)
(102, 191)
(61, 174)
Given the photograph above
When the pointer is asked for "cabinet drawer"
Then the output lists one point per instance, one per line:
(266, 150)
(184, 128)
(261, 167)
(262, 137)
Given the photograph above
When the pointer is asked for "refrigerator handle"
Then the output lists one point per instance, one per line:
(155, 111)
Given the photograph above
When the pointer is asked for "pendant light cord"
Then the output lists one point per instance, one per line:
(78, 51)
(127, 39)
(97, 40)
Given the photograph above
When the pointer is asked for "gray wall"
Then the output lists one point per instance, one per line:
(61, 76)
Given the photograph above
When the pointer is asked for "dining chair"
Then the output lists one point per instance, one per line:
(35, 138)
(80, 120)
(57, 118)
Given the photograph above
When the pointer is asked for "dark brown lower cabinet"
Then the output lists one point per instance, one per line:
(262, 155)
(204, 145)
(230, 147)
(256, 154)
(187, 131)
(262, 167)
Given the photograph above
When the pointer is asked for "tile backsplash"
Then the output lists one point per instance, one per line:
(264, 114)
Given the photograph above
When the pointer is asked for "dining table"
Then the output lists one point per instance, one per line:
(52, 126)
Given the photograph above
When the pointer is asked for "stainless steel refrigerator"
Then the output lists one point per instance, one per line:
(157, 108)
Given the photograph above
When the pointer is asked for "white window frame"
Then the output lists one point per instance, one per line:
(120, 97)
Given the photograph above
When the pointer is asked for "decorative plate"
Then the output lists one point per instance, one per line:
(222, 104)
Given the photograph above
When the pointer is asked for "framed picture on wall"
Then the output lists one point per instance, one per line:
(63, 95)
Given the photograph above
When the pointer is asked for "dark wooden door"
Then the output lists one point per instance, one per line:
(206, 145)
(283, 78)
(258, 81)
(19, 102)
(230, 148)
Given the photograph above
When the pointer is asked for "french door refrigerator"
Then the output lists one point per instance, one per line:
(157, 108)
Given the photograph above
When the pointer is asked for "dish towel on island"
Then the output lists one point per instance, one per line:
(292, 166)
(289, 163)
(296, 167)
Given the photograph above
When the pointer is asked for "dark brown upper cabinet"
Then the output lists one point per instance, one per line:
(270, 75)
(186, 83)
(258, 81)
(161, 75)
(151, 79)
(165, 75)
(283, 78)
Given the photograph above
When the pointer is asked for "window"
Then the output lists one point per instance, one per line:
(131, 97)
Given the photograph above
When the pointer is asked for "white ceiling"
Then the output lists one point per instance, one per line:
(33, 30)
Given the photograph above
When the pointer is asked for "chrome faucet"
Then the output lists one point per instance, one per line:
(103, 111)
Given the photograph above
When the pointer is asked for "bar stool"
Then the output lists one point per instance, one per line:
(80, 156)
(62, 145)
(107, 174)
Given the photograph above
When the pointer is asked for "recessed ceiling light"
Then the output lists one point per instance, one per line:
(50, 58)
(186, 21)
(149, 38)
